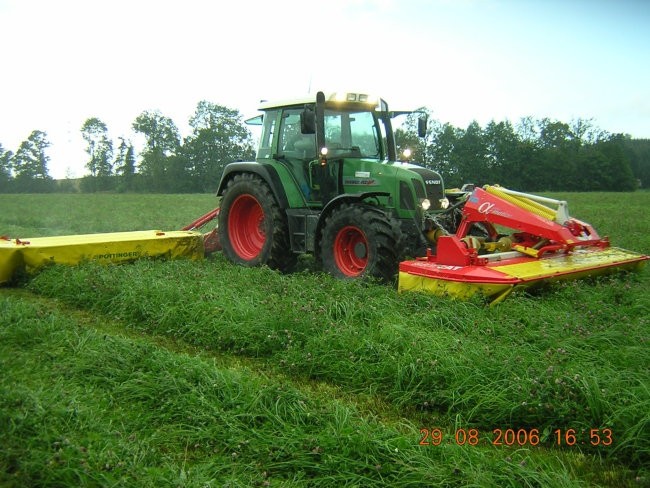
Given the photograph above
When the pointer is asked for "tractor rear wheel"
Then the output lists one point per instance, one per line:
(252, 228)
(359, 241)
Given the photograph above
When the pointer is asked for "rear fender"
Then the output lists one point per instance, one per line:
(267, 172)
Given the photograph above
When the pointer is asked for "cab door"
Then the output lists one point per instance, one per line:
(296, 151)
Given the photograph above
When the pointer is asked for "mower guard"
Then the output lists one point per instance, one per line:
(32, 254)
(498, 279)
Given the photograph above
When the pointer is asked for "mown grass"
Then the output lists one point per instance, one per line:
(573, 356)
(80, 407)
(569, 359)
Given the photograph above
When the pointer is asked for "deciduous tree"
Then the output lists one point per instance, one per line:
(218, 137)
(162, 142)
(124, 165)
(444, 140)
(100, 152)
(30, 164)
(5, 168)
(638, 152)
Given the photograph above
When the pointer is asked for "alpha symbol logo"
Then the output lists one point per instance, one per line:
(485, 207)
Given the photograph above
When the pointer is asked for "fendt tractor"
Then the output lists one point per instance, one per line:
(327, 181)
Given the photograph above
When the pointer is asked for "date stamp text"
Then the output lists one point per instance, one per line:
(517, 437)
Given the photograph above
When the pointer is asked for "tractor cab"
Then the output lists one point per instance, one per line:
(313, 137)
(327, 181)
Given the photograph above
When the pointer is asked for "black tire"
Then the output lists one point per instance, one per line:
(361, 241)
(253, 230)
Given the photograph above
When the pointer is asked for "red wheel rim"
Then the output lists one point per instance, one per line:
(246, 227)
(351, 251)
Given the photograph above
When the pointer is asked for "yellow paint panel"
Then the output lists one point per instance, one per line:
(117, 247)
(441, 287)
(530, 272)
(578, 263)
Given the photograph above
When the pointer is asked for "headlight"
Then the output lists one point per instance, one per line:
(354, 97)
(425, 204)
(444, 203)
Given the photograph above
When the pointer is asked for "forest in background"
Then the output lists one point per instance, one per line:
(530, 155)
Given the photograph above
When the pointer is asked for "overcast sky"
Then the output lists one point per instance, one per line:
(63, 61)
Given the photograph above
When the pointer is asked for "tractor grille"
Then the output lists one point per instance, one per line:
(433, 185)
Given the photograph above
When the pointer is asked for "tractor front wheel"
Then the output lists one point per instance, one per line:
(360, 240)
(252, 228)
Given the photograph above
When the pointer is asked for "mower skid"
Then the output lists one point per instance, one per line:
(498, 278)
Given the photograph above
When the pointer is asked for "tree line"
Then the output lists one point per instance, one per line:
(532, 155)
(166, 164)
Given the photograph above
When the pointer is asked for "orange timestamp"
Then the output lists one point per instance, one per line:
(517, 437)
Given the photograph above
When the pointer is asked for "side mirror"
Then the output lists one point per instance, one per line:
(308, 121)
(422, 126)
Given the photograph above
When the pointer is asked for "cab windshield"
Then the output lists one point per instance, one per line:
(352, 133)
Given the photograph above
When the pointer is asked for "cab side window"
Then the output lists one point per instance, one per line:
(268, 132)
(292, 143)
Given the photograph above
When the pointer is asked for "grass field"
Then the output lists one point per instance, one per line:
(205, 374)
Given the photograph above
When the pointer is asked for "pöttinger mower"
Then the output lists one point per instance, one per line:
(527, 240)
(327, 181)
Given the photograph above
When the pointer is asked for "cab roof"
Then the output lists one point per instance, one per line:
(340, 97)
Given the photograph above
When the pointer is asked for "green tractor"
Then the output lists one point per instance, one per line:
(327, 181)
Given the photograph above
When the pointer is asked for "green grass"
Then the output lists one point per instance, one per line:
(206, 374)
(41, 215)
(621, 216)
(84, 406)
